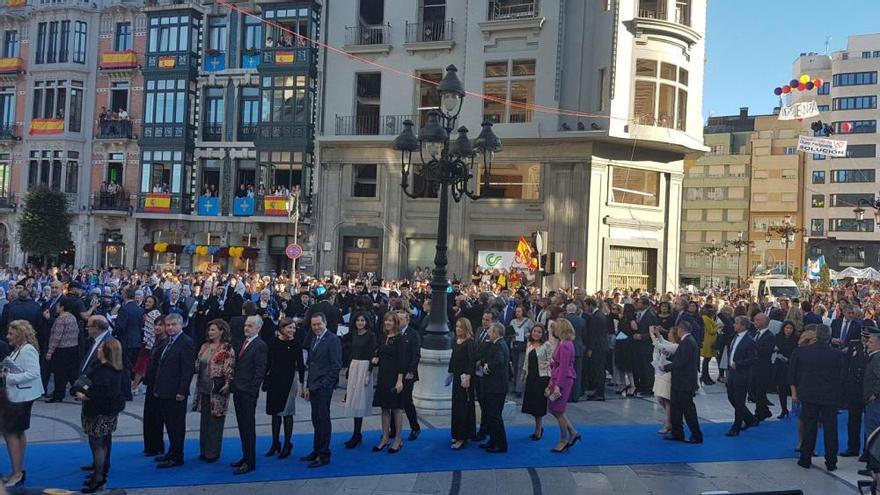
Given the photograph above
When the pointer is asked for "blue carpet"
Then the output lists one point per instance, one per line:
(58, 464)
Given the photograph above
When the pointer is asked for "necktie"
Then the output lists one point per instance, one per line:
(317, 341)
(165, 350)
(247, 342)
(845, 331)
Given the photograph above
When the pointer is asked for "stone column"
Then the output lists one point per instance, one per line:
(431, 396)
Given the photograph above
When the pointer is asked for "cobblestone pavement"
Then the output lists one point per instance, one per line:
(59, 423)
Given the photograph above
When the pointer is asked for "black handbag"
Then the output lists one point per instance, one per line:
(217, 385)
(82, 384)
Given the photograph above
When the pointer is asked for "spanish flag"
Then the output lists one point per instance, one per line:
(167, 62)
(275, 205)
(119, 60)
(16, 3)
(10, 65)
(285, 58)
(47, 126)
(525, 255)
(157, 203)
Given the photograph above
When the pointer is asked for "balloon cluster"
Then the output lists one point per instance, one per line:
(243, 252)
(802, 84)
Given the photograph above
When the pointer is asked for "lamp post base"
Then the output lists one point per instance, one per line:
(431, 396)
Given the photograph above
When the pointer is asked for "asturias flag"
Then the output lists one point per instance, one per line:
(209, 207)
(243, 207)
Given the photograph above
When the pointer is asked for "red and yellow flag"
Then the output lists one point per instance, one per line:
(9, 65)
(167, 62)
(275, 205)
(525, 255)
(157, 202)
(285, 57)
(47, 126)
(16, 3)
(119, 60)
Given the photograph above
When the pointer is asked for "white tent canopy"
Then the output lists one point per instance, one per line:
(868, 273)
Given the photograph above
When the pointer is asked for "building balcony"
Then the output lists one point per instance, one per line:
(287, 59)
(246, 132)
(10, 132)
(118, 202)
(171, 62)
(11, 66)
(164, 203)
(512, 15)
(114, 130)
(212, 131)
(284, 135)
(8, 201)
(167, 131)
(368, 39)
(214, 61)
(425, 36)
(651, 19)
(124, 60)
(158, 5)
(371, 125)
(41, 127)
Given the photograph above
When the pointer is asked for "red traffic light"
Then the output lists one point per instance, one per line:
(572, 266)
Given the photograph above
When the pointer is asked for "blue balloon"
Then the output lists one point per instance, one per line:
(794, 83)
(777, 91)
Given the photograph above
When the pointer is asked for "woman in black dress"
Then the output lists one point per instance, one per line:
(536, 375)
(461, 369)
(786, 343)
(625, 349)
(284, 360)
(666, 316)
(359, 389)
(392, 360)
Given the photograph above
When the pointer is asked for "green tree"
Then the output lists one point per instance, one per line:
(825, 277)
(44, 226)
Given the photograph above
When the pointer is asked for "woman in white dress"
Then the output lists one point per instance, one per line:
(359, 389)
(662, 380)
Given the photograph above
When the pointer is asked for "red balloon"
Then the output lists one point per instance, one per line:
(786, 89)
(818, 82)
(846, 127)
(802, 87)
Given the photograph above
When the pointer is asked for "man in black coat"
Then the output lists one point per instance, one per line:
(816, 373)
(154, 442)
(684, 367)
(495, 386)
(846, 329)
(763, 369)
(236, 324)
(597, 348)
(580, 334)
(643, 370)
(171, 387)
(326, 306)
(129, 330)
(49, 308)
(325, 362)
(22, 308)
(856, 360)
(250, 368)
(489, 318)
(414, 352)
(743, 354)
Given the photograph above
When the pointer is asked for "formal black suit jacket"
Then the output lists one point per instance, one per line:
(325, 361)
(330, 311)
(597, 333)
(153, 366)
(685, 365)
(745, 357)
(497, 358)
(853, 332)
(175, 370)
(413, 350)
(88, 361)
(580, 333)
(236, 331)
(21, 309)
(129, 325)
(818, 371)
(764, 366)
(649, 319)
(250, 368)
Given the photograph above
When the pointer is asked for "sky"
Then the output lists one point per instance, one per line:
(751, 45)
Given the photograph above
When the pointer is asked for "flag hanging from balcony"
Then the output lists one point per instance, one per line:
(275, 205)
(157, 203)
(167, 62)
(209, 207)
(119, 60)
(16, 3)
(46, 126)
(13, 64)
(524, 254)
(285, 57)
(243, 207)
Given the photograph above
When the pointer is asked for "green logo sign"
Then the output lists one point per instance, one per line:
(492, 260)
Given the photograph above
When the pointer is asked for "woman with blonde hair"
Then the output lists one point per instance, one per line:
(562, 375)
(23, 387)
(462, 367)
(392, 361)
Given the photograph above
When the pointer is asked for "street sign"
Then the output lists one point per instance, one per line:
(293, 251)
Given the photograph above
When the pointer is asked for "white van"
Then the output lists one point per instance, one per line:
(775, 288)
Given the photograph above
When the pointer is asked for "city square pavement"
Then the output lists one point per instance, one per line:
(59, 424)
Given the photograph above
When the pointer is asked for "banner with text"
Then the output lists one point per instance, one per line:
(822, 146)
(800, 110)
(500, 260)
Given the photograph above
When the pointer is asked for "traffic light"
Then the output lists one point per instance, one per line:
(551, 263)
(572, 266)
(546, 265)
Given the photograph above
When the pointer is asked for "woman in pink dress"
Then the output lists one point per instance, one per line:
(562, 376)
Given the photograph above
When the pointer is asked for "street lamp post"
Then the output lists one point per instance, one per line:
(448, 164)
(712, 252)
(871, 203)
(293, 216)
(740, 245)
(786, 232)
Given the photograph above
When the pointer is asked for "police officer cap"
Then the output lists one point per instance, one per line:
(870, 331)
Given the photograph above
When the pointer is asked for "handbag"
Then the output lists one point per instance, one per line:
(217, 385)
(82, 384)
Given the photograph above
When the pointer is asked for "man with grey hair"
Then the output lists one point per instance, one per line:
(816, 373)
(743, 354)
(250, 368)
(171, 387)
(495, 369)
(762, 373)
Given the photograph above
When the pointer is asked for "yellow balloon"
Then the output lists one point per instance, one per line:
(805, 78)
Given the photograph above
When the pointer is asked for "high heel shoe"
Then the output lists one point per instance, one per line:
(533, 437)
(380, 448)
(630, 391)
(392, 450)
(783, 415)
(559, 451)
(274, 449)
(353, 442)
(285, 451)
(94, 486)
(458, 445)
(12, 484)
(575, 439)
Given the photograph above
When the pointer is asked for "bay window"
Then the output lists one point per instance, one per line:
(635, 187)
(660, 96)
(509, 80)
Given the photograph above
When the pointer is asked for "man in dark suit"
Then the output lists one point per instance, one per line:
(236, 324)
(495, 385)
(846, 329)
(810, 318)
(597, 348)
(250, 368)
(643, 371)
(414, 351)
(762, 372)
(743, 354)
(489, 318)
(21, 308)
(326, 307)
(171, 387)
(154, 426)
(325, 361)
(49, 308)
(684, 367)
(853, 386)
(129, 331)
(580, 333)
(816, 373)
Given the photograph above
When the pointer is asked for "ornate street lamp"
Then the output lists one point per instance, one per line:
(871, 203)
(786, 232)
(446, 163)
(740, 246)
(713, 252)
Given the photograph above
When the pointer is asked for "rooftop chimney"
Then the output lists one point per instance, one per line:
(743, 113)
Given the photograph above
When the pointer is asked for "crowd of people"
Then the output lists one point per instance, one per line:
(198, 341)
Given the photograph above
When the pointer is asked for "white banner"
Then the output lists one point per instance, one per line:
(822, 146)
(800, 110)
(501, 260)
